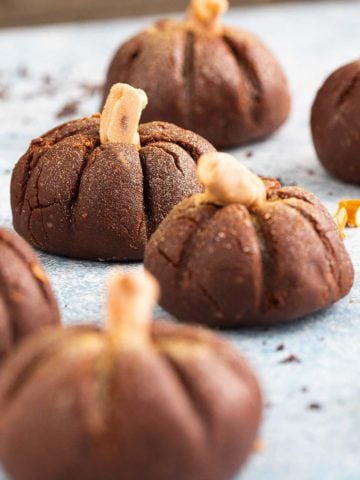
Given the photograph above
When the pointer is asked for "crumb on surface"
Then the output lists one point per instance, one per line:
(70, 108)
(91, 89)
(291, 359)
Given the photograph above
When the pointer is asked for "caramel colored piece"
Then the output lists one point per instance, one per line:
(259, 445)
(121, 115)
(39, 273)
(227, 181)
(347, 214)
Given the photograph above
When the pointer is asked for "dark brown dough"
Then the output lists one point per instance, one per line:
(335, 123)
(26, 299)
(231, 267)
(74, 407)
(225, 86)
(72, 196)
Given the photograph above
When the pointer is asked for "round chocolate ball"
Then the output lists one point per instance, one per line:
(220, 82)
(139, 400)
(97, 188)
(335, 123)
(26, 299)
(247, 252)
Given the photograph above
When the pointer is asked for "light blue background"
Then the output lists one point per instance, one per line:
(311, 39)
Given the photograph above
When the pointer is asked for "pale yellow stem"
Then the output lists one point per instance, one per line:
(206, 14)
(227, 181)
(120, 118)
(130, 304)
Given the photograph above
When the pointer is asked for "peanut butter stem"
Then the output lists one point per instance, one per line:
(227, 181)
(120, 118)
(130, 304)
(206, 13)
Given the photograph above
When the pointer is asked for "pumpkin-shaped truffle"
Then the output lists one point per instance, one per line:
(335, 123)
(97, 188)
(26, 299)
(220, 82)
(247, 252)
(136, 401)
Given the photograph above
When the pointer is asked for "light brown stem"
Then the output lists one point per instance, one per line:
(227, 181)
(206, 14)
(130, 304)
(120, 118)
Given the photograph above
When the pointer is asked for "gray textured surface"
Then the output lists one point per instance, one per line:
(311, 40)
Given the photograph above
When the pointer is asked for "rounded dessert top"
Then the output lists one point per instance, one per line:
(227, 181)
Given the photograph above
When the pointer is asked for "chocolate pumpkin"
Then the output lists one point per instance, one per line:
(96, 188)
(218, 81)
(138, 400)
(27, 302)
(335, 123)
(247, 252)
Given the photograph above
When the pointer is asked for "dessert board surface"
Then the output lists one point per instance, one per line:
(309, 369)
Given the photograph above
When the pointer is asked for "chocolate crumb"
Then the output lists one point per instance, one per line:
(47, 79)
(68, 109)
(23, 71)
(310, 172)
(314, 406)
(249, 154)
(280, 347)
(291, 359)
(3, 92)
(286, 183)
